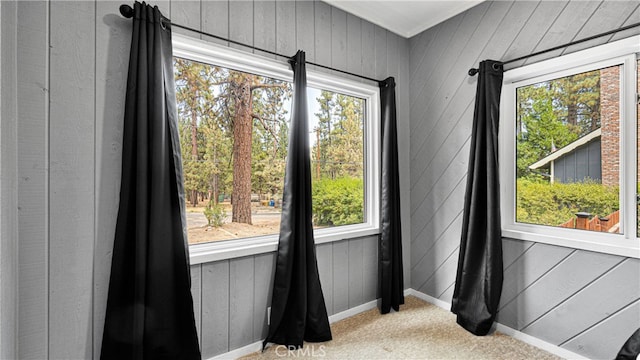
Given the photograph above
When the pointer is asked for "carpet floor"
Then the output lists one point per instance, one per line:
(418, 331)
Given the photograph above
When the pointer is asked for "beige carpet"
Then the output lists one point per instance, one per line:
(419, 331)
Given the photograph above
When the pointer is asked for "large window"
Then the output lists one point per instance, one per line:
(569, 150)
(234, 117)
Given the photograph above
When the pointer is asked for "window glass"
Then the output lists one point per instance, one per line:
(234, 129)
(568, 151)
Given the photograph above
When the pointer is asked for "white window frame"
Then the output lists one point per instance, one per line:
(210, 53)
(622, 52)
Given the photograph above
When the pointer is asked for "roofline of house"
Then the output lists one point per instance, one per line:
(567, 149)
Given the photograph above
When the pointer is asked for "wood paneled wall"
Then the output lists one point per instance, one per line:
(586, 302)
(71, 64)
(8, 182)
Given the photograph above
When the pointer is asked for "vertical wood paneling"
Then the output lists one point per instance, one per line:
(305, 28)
(8, 182)
(285, 27)
(264, 26)
(196, 294)
(368, 49)
(263, 285)
(404, 122)
(72, 148)
(241, 302)
(113, 39)
(32, 175)
(354, 44)
(214, 337)
(215, 19)
(340, 276)
(324, 254)
(355, 275)
(186, 13)
(322, 15)
(338, 39)
(380, 37)
(87, 69)
(370, 268)
(241, 23)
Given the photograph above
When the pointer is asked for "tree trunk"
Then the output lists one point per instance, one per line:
(242, 130)
(194, 150)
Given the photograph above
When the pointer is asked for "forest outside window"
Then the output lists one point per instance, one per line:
(569, 150)
(234, 117)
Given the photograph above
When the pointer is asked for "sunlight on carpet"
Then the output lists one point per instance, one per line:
(418, 331)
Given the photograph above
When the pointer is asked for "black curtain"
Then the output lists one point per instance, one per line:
(476, 294)
(298, 311)
(390, 277)
(149, 309)
(631, 348)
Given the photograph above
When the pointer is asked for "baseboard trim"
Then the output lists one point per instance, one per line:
(234, 354)
(257, 346)
(353, 311)
(541, 344)
(531, 340)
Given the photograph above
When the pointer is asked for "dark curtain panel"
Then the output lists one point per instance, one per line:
(298, 311)
(631, 348)
(149, 309)
(479, 279)
(390, 277)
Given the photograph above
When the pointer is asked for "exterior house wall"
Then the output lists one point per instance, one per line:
(583, 163)
(582, 301)
(71, 64)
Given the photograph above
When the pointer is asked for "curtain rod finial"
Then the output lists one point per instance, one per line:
(473, 72)
(126, 11)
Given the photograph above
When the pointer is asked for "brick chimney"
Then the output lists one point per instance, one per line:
(610, 124)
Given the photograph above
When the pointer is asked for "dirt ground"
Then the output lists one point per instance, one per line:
(265, 221)
(232, 230)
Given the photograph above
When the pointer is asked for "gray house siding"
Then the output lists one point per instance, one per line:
(71, 61)
(582, 301)
(582, 164)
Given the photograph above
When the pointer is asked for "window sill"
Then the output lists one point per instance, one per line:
(603, 243)
(229, 249)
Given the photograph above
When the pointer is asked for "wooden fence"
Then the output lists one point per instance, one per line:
(609, 223)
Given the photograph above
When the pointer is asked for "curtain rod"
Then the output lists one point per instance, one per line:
(474, 71)
(127, 11)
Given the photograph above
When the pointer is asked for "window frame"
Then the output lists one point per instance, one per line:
(223, 56)
(623, 52)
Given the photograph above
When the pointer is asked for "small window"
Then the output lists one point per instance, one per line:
(234, 118)
(569, 150)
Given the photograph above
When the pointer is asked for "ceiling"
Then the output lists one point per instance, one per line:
(405, 18)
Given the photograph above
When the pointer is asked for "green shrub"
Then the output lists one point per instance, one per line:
(553, 204)
(338, 202)
(215, 214)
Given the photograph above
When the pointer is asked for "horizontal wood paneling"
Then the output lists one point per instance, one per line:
(69, 172)
(545, 287)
